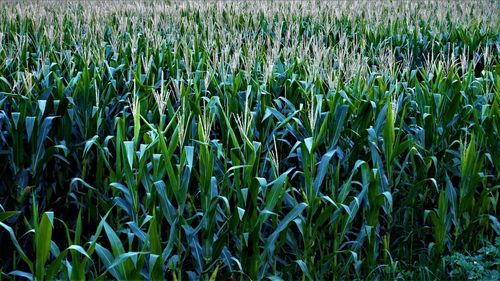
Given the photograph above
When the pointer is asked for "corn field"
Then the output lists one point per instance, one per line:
(249, 140)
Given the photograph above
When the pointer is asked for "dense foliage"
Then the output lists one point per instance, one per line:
(246, 141)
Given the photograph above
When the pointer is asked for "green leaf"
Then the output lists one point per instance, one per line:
(43, 239)
(130, 151)
(16, 244)
(107, 259)
(303, 268)
(7, 215)
(23, 274)
(283, 224)
(309, 144)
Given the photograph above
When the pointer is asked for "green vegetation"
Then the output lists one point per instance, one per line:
(245, 141)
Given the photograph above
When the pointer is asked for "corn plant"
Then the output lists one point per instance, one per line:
(306, 140)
